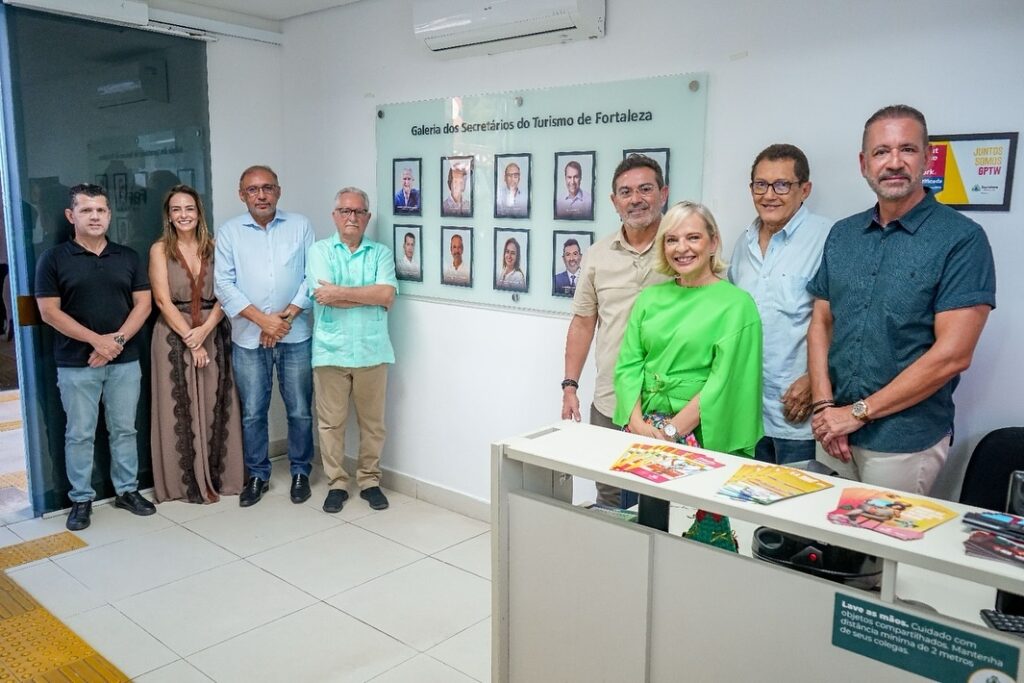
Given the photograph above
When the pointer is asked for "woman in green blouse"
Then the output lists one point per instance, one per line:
(689, 368)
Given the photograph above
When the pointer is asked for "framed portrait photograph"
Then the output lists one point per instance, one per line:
(457, 187)
(511, 259)
(567, 254)
(405, 187)
(659, 154)
(408, 252)
(574, 186)
(456, 256)
(512, 185)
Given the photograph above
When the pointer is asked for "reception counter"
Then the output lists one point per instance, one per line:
(582, 596)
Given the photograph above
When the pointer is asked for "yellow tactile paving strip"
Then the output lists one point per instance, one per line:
(34, 644)
(14, 480)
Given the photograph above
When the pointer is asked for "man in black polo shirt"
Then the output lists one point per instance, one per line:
(95, 294)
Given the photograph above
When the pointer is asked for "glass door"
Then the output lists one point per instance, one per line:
(89, 102)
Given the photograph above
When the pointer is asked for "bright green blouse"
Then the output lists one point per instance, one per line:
(685, 340)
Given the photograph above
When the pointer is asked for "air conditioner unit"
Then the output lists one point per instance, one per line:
(143, 79)
(456, 28)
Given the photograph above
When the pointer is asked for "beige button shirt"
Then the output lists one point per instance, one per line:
(610, 278)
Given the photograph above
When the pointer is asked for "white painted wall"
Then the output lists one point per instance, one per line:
(802, 71)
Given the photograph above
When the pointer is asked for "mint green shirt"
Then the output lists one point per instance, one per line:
(350, 337)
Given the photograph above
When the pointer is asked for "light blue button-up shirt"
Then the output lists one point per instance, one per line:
(265, 268)
(778, 283)
(354, 337)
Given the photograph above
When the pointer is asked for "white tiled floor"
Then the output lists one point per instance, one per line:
(276, 592)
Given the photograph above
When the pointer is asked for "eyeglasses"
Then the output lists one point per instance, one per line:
(254, 190)
(780, 186)
(645, 190)
(358, 213)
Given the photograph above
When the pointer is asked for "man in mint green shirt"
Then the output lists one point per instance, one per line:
(352, 283)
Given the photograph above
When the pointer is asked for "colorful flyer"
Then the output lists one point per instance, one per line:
(660, 463)
(766, 484)
(888, 512)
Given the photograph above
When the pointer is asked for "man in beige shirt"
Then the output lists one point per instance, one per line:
(614, 271)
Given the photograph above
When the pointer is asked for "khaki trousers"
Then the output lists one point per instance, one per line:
(606, 495)
(911, 472)
(366, 387)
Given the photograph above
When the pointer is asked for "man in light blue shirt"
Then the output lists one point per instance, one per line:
(773, 260)
(352, 281)
(259, 274)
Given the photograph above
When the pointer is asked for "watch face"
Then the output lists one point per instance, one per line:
(860, 409)
(670, 430)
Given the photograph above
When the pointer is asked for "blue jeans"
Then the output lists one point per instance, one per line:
(254, 375)
(784, 451)
(81, 390)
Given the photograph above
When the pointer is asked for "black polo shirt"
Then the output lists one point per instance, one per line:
(94, 290)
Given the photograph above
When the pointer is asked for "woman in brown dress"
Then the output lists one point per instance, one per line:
(196, 429)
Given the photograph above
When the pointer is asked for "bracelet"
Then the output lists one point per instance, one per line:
(819, 406)
(570, 383)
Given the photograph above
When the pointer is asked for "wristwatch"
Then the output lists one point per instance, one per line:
(860, 411)
(670, 430)
(119, 338)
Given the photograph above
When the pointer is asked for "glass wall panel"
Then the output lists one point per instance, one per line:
(91, 102)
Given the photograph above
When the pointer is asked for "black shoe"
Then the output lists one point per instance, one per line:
(78, 518)
(375, 497)
(300, 488)
(335, 500)
(133, 502)
(253, 491)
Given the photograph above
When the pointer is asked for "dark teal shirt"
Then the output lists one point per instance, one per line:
(884, 285)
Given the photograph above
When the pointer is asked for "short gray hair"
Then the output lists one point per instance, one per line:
(354, 190)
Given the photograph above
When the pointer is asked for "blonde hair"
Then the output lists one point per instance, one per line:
(672, 218)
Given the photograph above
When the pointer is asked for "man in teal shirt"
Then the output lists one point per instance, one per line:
(353, 284)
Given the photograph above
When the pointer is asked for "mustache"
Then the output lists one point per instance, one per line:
(894, 174)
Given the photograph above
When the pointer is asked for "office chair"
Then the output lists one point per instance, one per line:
(988, 476)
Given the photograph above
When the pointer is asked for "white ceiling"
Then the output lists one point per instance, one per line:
(272, 10)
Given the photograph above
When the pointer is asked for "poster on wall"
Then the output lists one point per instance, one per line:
(972, 172)
(524, 175)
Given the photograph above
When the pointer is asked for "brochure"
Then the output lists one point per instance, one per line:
(994, 547)
(888, 512)
(662, 462)
(767, 484)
